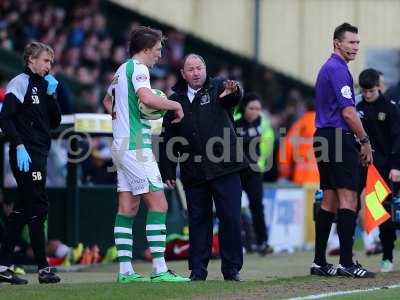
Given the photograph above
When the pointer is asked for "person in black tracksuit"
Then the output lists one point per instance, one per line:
(381, 120)
(258, 138)
(205, 143)
(29, 111)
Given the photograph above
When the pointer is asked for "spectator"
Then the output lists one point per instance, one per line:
(296, 159)
(5, 41)
(258, 139)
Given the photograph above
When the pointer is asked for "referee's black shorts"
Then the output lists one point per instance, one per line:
(338, 159)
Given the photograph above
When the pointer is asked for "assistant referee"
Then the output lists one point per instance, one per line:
(338, 130)
(29, 111)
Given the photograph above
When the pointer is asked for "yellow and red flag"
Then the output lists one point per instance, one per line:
(376, 191)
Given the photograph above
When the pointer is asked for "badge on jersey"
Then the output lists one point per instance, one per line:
(141, 77)
(381, 116)
(346, 92)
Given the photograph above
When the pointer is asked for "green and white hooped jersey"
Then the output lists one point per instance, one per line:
(130, 131)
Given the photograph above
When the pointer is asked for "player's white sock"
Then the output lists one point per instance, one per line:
(123, 242)
(156, 236)
(159, 265)
(125, 267)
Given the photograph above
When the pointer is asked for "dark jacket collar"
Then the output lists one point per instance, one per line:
(181, 85)
(255, 123)
(31, 74)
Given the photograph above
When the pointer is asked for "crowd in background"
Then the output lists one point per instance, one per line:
(86, 51)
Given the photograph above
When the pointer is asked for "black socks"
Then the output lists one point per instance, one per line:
(323, 224)
(346, 224)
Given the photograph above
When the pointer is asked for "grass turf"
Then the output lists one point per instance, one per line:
(269, 277)
(381, 294)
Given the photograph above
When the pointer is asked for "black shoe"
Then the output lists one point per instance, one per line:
(265, 249)
(355, 271)
(195, 277)
(326, 270)
(233, 277)
(10, 277)
(47, 275)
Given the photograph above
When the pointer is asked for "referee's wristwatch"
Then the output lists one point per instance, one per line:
(364, 140)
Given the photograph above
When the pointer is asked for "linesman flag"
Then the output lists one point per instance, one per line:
(376, 192)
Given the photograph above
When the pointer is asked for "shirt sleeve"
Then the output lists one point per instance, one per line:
(54, 112)
(394, 120)
(18, 87)
(141, 77)
(342, 85)
(7, 116)
(112, 84)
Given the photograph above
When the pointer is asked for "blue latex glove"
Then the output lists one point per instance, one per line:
(23, 158)
(52, 84)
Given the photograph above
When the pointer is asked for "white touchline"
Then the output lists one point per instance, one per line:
(339, 293)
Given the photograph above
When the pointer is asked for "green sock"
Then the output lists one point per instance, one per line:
(156, 232)
(123, 237)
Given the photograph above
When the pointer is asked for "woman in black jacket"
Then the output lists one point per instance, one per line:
(258, 138)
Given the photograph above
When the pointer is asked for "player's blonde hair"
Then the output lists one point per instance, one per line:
(34, 49)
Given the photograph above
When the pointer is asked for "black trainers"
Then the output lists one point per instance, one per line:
(47, 275)
(326, 270)
(10, 277)
(355, 271)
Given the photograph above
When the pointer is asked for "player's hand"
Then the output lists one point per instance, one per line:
(394, 175)
(230, 86)
(366, 154)
(171, 183)
(23, 158)
(52, 84)
(178, 114)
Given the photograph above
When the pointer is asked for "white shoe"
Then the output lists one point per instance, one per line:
(386, 266)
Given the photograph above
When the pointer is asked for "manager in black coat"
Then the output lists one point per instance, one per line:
(210, 159)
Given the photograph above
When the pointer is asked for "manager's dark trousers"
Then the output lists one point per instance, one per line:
(226, 191)
(30, 208)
